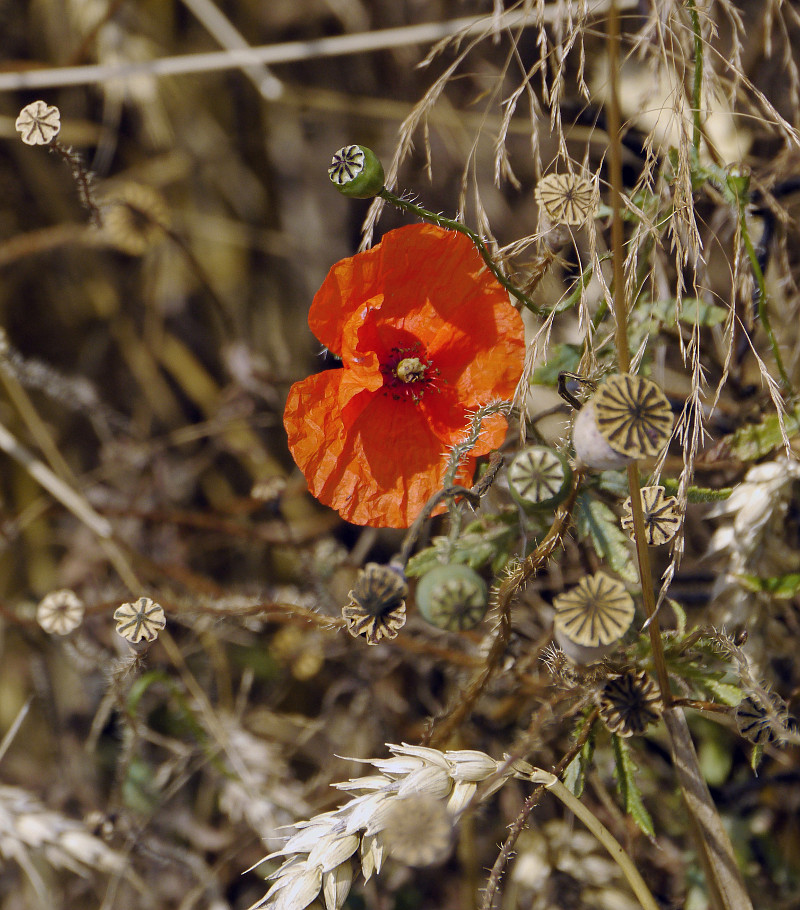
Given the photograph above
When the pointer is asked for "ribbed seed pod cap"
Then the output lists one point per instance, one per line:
(356, 172)
(539, 478)
(633, 415)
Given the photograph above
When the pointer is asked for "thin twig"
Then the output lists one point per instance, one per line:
(295, 51)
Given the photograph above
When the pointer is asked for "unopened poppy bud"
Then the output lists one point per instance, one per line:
(356, 172)
(591, 449)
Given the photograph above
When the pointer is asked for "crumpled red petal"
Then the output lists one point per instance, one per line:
(351, 472)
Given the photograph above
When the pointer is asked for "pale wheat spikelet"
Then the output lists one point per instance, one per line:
(30, 831)
(259, 790)
(754, 535)
(329, 849)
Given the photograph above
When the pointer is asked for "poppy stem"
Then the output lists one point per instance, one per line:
(414, 531)
(453, 225)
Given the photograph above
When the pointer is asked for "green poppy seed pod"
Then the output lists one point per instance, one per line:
(452, 597)
(539, 478)
(356, 172)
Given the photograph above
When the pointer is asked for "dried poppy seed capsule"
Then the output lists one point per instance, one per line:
(597, 612)
(139, 621)
(661, 516)
(633, 415)
(60, 612)
(628, 417)
(567, 198)
(38, 123)
(762, 719)
(539, 478)
(377, 607)
(356, 172)
(629, 703)
(452, 597)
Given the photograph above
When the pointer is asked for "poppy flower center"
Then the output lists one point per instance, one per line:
(411, 369)
(407, 374)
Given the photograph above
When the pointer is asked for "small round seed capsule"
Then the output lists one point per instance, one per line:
(661, 516)
(567, 198)
(539, 478)
(452, 597)
(356, 172)
(596, 612)
(633, 415)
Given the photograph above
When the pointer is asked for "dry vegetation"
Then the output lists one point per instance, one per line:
(155, 316)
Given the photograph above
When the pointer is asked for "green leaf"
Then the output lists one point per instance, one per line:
(692, 311)
(613, 482)
(595, 520)
(575, 772)
(696, 494)
(726, 693)
(680, 616)
(628, 789)
(487, 540)
(563, 357)
(781, 587)
(143, 683)
(579, 287)
(756, 440)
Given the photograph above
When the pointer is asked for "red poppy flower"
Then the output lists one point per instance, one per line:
(426, 335)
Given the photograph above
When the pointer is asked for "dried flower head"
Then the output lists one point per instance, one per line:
(418, 831)
(629, 703)
(377, 607)
(38, 123)
(141, 620)
(539, 477)
(596, 612)
(60, 612)
(633, 415)
(762, 718)
(661, 516)
(134, 218)
(567, 198)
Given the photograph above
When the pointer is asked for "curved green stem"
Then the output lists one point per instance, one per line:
(763, 315)
(606, 838)
(453, 225)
